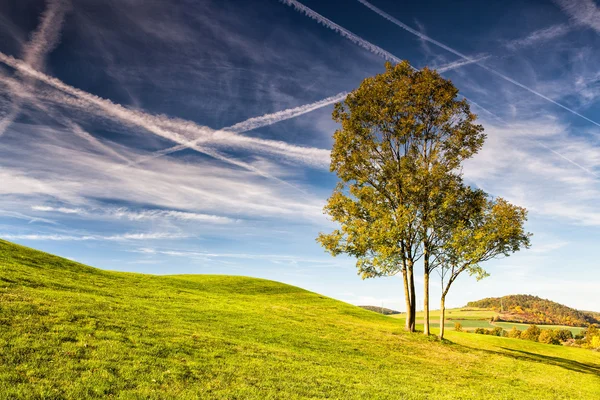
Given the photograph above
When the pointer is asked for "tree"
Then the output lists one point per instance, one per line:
(514, 333)
(403, 136)
(476, 229)
(548, 336)
(531, 333)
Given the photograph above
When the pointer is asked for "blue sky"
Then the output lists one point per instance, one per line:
(193, 136)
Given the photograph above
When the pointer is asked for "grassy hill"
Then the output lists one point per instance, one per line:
(535, 310)
(72, 331)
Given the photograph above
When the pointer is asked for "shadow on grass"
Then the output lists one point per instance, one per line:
(522, 355)
(571, 365)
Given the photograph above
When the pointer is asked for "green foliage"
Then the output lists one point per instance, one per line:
(403, 133)
(563, 334)
(532, 333)
(533, 309)
(381, 310)
(68, 331)
(496, 331)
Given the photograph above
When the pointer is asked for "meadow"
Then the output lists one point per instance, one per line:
(71, 331)
(472, 318)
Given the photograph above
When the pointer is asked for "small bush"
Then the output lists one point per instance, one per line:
(514, 333)
(563, 335)
(548, 336)
(497, 331)
(480, 331)
(458, 327)
(532, 333)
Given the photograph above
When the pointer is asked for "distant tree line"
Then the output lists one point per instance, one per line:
(381, 310)
(535, 310)
(401, 202)
(588, 338)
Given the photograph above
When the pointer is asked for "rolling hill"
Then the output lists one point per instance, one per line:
(535, 310)
(69, 331)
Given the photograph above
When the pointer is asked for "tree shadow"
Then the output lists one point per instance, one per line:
(571, 365)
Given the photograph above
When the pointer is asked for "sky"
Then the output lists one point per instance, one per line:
(193, 136)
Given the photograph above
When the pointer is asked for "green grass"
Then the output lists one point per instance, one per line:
(71, 331)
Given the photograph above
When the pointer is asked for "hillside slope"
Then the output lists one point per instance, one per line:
(535, 310)
(72, 331)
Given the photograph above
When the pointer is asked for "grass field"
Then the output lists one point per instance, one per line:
(71, 331)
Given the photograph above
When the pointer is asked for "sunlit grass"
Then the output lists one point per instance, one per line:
(71, 331)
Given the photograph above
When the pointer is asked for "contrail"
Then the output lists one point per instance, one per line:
(460, 63)
(42, 42)
(172, 129)
(153, 124)
(46, 37)
(269, 119)
(24, 95)
(254, 123)
(456, 52)
(569, 160)
(342, 31)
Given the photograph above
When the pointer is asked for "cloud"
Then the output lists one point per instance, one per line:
(138, 215)
(550, 184)
(110, 238)
(64, 171)
(176, 130)
(539, 36)
(43, 40)
(456, 52)
(582, 12)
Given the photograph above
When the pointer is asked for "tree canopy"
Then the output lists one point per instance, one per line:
(400, 198)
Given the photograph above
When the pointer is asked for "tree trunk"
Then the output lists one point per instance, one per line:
(407, 299)
(426, 302)
(413, 299)
(442, 315)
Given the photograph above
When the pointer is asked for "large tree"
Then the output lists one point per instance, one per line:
(478, 228)
(403, 136)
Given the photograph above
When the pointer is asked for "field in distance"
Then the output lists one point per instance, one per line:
(69, 331)
(472, 318)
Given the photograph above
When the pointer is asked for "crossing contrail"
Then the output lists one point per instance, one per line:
(342, 31)
(254, 123)
(456, 52)
(43, 41)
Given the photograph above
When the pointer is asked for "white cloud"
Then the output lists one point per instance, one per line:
(539, 36)
(582, 12)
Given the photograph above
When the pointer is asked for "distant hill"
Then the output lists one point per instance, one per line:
(381, 310)
(535, 310)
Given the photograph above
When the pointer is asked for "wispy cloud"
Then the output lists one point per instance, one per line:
(138, 215)
(18, 215)
(582, 12)
(43, 40)
(177, 130)
(456, 52)
(539, 36)
(111, 238)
